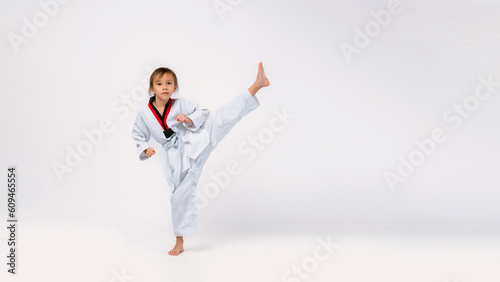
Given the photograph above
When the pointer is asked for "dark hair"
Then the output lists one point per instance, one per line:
(160, 72)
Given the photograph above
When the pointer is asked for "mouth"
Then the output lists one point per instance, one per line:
(164, 93)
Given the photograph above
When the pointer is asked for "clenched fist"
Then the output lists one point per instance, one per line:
(149, 152)
(182, 118)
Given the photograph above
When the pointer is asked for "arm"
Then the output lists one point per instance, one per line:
(141, 136)
(196, 117)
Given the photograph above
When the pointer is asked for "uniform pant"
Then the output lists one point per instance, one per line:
(218, 124)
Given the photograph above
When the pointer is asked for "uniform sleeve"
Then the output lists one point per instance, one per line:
(141, 136)
(197, 115)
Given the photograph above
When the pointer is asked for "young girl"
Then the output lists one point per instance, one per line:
(188, 134)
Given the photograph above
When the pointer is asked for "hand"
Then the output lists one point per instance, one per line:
(149, 152)
(182, 118)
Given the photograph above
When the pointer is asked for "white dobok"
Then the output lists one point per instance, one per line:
(187, 146)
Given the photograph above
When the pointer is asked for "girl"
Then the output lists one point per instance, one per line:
(188, 134)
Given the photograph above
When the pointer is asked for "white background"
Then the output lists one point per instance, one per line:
(324, 172)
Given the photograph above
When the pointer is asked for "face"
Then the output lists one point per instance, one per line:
(163, 87)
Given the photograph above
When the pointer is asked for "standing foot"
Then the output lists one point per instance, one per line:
(178, 248)
(260, 82)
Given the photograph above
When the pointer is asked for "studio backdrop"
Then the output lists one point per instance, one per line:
(381, 115)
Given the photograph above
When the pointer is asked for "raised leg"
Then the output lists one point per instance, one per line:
(228, 115)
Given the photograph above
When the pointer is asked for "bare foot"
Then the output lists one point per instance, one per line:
(178, 248)
(260, 82)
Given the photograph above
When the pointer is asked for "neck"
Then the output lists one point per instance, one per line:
(159, 103)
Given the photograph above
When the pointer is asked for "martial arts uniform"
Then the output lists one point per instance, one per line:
(187, 146)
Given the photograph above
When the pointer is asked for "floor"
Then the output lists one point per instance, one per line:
(86, 253)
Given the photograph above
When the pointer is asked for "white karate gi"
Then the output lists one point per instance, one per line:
(187, 150)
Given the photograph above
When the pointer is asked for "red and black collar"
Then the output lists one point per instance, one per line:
(162, 118)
